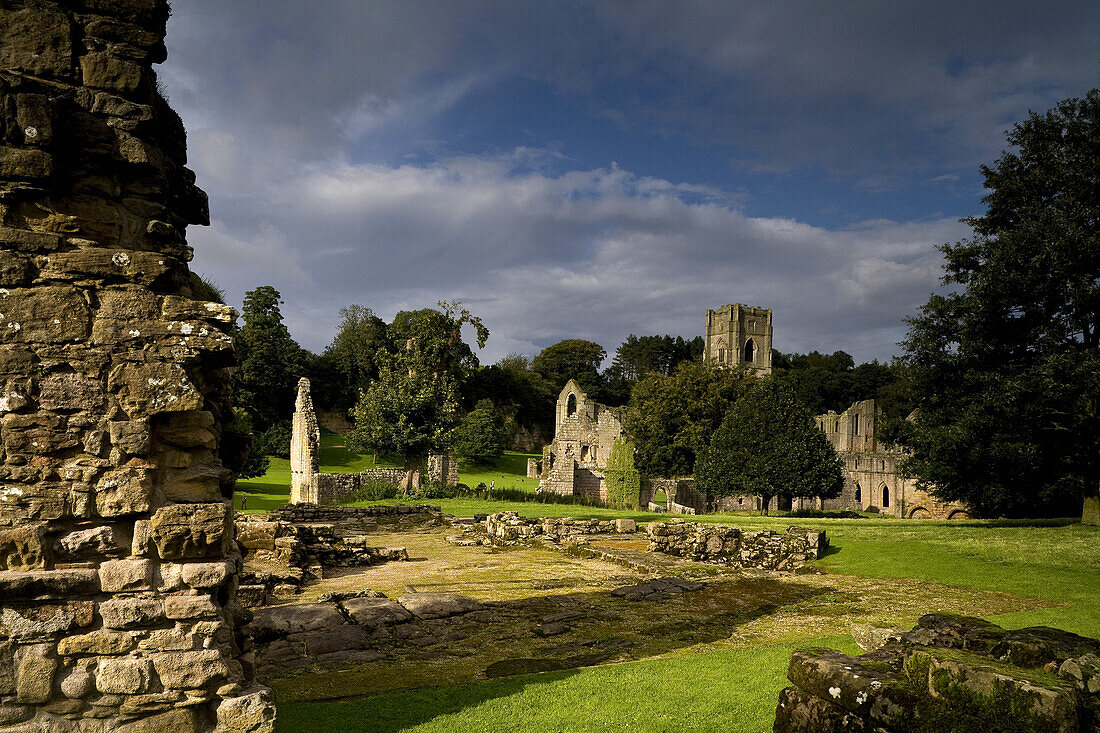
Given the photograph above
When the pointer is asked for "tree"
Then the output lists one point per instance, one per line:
(671, 418)
(412, 407)
(348, 364)
(1005, 365)
(479, 438)
(271, 361)
(768, 444)
(572, 359)
(641, 355)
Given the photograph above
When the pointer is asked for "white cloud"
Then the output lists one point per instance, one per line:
(592, 254)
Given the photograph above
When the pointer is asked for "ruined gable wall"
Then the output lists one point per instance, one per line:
(118, 568)
(574, 461)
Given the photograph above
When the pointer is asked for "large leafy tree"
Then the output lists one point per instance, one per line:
(641, 355)
(670, 419)
(1005, 367)
(412, 407)
(479, 437)
(348, 364)
(768, 444)
(270, 360)
(572, 359)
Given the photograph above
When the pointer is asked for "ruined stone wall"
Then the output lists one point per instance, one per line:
(871, 475)
(765, 549)
(584, 433)
(305, 448)
(118, 570)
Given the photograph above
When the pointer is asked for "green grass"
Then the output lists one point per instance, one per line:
(1057, 562)
(509, 471)
(728, 690)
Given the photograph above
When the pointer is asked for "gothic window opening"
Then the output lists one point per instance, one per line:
(859, 494)
(750, 348)
(571, 405)
(885, 497)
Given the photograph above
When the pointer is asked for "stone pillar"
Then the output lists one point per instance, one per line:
(443, 469)
(305, 448)
(118, 567)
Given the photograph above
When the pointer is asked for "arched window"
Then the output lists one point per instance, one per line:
(571, 405)
(749, 349)
(859, 494)
(885, 497)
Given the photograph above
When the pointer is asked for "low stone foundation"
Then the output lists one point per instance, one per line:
(294, 544)
(948, 673)
(716, 543)
(509, 528)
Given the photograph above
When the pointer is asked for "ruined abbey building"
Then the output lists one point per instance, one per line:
(118, 567)
(584, 431)
(739, 336)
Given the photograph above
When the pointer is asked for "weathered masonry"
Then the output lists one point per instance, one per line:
(739, 335)
(308, 485)
(118, 569)
(584, 432)
(871, 477)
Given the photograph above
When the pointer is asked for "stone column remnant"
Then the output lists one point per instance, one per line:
(305, 448)
(118, 567)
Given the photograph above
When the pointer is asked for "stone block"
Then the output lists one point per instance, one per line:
(153, 388)
(102, 71)
(373, 612)
(189, 607)
(124, 491)
(124, 676)
(253, 711)
(70, 392)
(282, 620)
(36, 42)
(35, 666)
(11, 713)
(257, 535)
(330, 640)
(205, 574)
(180, 720)
(190, 670)
(77, 682)
(47, 583)
(117, 576)
(23, 548)
(198, 482)
(41, 621)
(438, 605)
(182, 531)
(188, 430)
(130, 613)
(131, 436)
(142, 540)
(89, 542)
(43, 315)
(99, 642)
(623, 526)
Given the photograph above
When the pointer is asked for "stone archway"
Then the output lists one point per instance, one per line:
(959, 514)
(919, 513)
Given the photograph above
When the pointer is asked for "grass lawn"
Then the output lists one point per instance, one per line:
(728, 690)
(1051, 569)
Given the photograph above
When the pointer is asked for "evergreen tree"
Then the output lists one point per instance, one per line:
(768, 444)
(271, 361)
(1006, 366)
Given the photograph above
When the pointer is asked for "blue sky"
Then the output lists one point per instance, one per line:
(595, 169)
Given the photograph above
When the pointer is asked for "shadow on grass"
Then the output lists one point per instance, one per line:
(402, 710)
(603, 628)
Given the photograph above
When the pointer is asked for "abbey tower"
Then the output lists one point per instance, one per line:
(740, 335)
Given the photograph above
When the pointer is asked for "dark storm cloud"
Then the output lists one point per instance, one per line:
(301, 116)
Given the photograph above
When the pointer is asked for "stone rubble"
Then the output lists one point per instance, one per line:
(118, 570)
(946, 672)
(715, 543)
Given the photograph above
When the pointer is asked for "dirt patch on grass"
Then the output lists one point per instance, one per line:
(524, 586)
